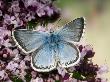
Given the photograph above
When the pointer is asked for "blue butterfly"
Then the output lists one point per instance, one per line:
(54, 49)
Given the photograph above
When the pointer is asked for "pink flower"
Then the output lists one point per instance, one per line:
(71, 69)
(50, 80)
(7, 54)
(4, 32)
(33, 73)
(62, 71)
(14, 52)
(33, 80)
(30, 3)
(27, 58)
(103, 69)
(104, 80)
(12, 66)
(39, 79)
(3, 75)
(40, 12)
(15, 7)
(6, 43)
(29, 17)
(71, 80)
(49, 11)
(86, 51)
(22, 65)
(7, 19)
(9, 80)
(12, 20)
(57, 77)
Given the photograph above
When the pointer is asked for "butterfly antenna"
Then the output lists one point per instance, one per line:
(55, 25)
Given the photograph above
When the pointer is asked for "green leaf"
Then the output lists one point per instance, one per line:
(28, 77)
(57, 81)
(16, 79)
(77, 75)
(32, 24)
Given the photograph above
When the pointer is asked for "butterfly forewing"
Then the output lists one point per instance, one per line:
(73, 30)
(28, 40)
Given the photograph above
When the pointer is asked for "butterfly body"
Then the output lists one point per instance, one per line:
(52, 39)
(51, 50)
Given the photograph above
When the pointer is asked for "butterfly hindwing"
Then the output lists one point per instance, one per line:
(68, 54)
(28, 40)
(43, 59)
(73, 30)
(46, 58)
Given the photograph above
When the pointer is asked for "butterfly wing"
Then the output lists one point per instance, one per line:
(43, 59)
(72, 31)
(68, 54)
(28, 40)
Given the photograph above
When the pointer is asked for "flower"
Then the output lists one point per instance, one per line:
(3, 75)
(4, 32)
(33, 80)
(34, 74)
(17, 14)
(39, 79)
(7, 54)
(71, 80)
(12, 66)
(22, 65)
(15, 7)
(86, 51)
(50, 80)
(103, 69)
(66, 76)
(61, 71)
(30, 3)
(104, 80)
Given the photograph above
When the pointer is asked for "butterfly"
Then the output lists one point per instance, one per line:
(53, 49)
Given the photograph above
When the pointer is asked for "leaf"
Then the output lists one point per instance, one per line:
(77, 75)
(16, 79)
(28, 77)
(32, 24)
(57, 81)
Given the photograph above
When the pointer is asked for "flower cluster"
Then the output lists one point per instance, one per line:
(19, 69)
(15, 65)
(18, 13)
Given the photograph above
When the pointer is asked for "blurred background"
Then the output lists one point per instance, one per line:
(97, 31)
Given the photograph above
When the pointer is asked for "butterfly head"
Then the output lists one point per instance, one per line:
(51, 30)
